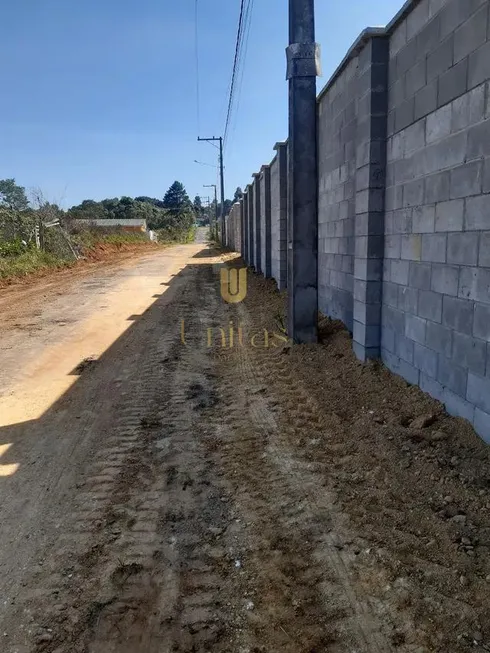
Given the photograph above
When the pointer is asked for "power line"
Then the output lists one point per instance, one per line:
(235, 67)
(196, 42)
(242, 59)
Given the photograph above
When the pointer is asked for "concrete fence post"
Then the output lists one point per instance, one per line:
(265, 219)
(242, 227)
(370, 191)
(257, 228)
(282, 228)
(251, 230)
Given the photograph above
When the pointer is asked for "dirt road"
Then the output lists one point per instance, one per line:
(174, 477)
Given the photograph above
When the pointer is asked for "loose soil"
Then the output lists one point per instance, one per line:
(182, 495)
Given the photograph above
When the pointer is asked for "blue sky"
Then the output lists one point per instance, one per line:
(99, 99)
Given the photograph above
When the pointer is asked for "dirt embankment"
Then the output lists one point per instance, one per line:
(102, 253)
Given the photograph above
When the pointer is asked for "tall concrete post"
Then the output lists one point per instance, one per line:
(265, 222)
(257, 226)
(246, 241)
(282, 228)
(251, 230)
(302, 57)
(241, 215)
(370, 191)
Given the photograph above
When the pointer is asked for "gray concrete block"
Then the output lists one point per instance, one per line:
(452, 376)
(437, 187)
(432, 387)
(449, 216)
(399, 271)
(481, 326)
(428, 37)
(366, 335)
(468, 109)
(392, 245)
(445, 279)
(441, 59)
(413, 193)
(402, 221)
(457, 314)
(438, 124)
(478, 391)
(369, 292)
(417, 18)
(462, 249)
(439, 338)
(407, 299)
(367, 314)
(411, 247)
(415, 328)
(425, 100)
(404, 114)
(479, 65)
(477, 213)
(482, 424)
(471, 34)
(453, 83)
(474, 283)
(388, 339)
(390, 294)
(364, 353)
(486, 176)
(449, 152)
(415, 78)
(466, 180)
(404, 348)
(430, 305)
(469, 353)
(408, 372)
(484, 255)
(457, 406)
(369, 246)
(368, 269)
(479, 140)
(393, 319)
(413, 137)
(420, 275)
(434, 248)
(423, 219)
(426, 360)
(435, 6)
(455, 13)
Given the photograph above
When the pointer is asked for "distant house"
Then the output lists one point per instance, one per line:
(136, 225)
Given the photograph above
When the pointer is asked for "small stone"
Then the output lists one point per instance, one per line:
(466, 541)
(423, 421)
(438, 436)
(463, 580)
(459, 519)
(44, 637)
(249, 605)
(215, 531)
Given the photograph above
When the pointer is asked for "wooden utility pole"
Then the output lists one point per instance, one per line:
(302, 70)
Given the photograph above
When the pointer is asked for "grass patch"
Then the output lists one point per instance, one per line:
(28, 263)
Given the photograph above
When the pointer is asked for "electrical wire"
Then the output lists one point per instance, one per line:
(238, 45)
(196, 43)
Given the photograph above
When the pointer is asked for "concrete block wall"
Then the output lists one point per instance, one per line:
(278, 200)
(337, 129)
(233, 228)
(404, 201)
(436, 279)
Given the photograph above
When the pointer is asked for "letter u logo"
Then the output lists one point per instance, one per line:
(233, 284)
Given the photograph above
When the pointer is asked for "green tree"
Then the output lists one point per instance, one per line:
(176, 199)
(12, 196)
(238, 194)
(198, 206)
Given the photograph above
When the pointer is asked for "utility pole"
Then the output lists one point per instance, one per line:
(222, 180)
(215, 207)
(302, 70)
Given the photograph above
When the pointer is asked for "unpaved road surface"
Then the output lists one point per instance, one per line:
(174, 477)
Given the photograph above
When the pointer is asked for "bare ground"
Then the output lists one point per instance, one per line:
(178, 495)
